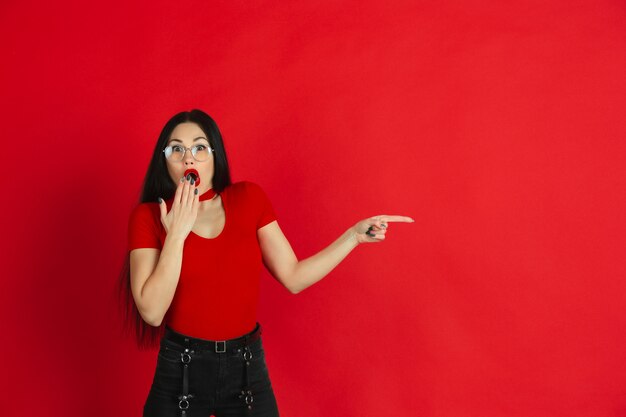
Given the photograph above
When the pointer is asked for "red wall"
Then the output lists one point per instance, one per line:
(498, 127)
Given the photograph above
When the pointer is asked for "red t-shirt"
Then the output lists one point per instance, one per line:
(217, 293)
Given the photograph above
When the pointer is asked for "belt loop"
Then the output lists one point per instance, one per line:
(246, 392)
(183, 399)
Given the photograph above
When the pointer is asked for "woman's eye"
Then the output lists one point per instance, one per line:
(200, 147)
(177, 148)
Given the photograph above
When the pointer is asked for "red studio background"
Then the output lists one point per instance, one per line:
(497, 125)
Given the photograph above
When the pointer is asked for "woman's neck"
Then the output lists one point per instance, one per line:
(208, 195)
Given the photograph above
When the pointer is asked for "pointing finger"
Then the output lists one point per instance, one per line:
(397, 219)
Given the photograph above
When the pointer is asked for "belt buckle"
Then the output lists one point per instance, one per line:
(217, 346)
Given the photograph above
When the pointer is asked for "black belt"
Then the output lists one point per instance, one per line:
(218, 346)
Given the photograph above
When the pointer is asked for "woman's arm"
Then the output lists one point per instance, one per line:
(295, 275)
(154, 277)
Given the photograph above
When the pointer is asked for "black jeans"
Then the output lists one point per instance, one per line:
(220, 384)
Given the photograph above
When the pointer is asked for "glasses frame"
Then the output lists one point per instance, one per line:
(193, 154)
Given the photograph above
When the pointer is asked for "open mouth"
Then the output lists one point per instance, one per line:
(194, 175)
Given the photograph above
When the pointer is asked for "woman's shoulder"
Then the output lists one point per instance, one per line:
(143, 210)
(247, 192)
(244, 187)
(144, 218)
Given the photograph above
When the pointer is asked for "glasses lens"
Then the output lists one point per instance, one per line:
(174, 153)
(200, 152)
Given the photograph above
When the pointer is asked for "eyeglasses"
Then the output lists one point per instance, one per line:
(176, 153)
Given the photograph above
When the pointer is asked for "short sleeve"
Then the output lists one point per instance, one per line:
(143, 232)
(264, 211)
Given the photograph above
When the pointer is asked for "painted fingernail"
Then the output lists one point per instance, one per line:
(192, 181)
(182, 179)
(195, 191)
(189, 177)
(160, 200)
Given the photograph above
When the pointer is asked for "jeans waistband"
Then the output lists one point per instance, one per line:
(217, 346)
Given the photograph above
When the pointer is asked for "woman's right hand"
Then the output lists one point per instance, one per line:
(181, 218)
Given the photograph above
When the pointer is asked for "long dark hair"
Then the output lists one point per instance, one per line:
(158, 183)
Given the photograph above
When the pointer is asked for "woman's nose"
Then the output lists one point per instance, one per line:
(188, 157)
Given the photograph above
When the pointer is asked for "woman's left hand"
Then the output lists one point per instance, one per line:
(374, 228)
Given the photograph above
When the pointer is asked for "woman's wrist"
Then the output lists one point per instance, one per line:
(352, 233)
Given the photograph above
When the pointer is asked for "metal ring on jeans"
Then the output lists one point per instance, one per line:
(185, 357)
(183, 404)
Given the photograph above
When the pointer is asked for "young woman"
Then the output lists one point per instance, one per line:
(191, 280)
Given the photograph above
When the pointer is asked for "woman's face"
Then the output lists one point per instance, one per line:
(187, 135)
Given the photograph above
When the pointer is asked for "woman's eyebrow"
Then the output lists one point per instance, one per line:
(178, 140)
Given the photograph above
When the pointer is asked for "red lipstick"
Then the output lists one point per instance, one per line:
(194, 176)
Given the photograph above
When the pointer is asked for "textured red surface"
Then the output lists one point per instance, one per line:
(498, 127)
